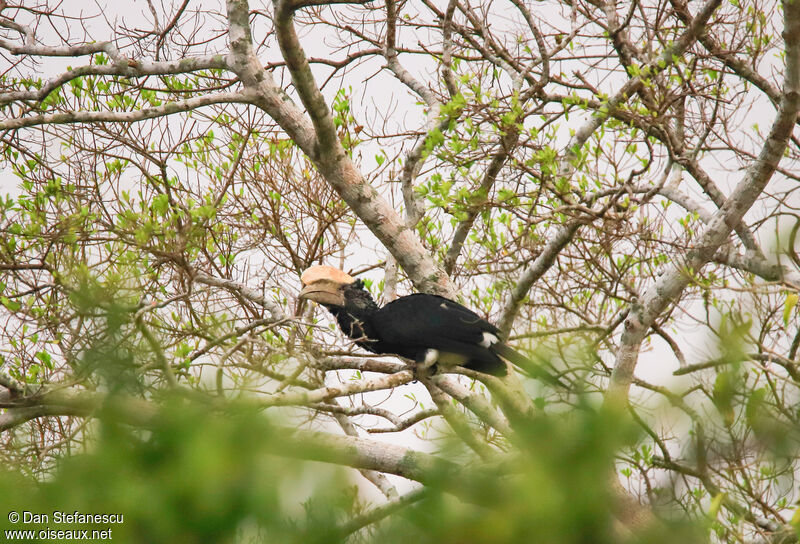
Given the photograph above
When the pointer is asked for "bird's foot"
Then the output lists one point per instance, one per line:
(422, 372)
(426, 364)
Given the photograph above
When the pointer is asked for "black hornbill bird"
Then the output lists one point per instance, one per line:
(426, 328)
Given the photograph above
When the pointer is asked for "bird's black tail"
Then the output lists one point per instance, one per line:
(528, 367)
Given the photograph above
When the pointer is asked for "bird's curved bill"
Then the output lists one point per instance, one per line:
(323, 294)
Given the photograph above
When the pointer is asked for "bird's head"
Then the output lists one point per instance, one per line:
(329, 286)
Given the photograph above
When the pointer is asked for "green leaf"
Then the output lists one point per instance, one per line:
(45, 357)
(795, 521)
(12, 305)
(716, 502)
(160, 204)
(788, 306)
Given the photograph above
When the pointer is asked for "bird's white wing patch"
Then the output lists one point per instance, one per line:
(488, 340)
(434, 356)
(431, 356)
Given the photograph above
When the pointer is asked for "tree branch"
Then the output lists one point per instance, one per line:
(319, 141)
(299, 398)
(570, 158)
(242, 97)
(481, 195)
(670, 284)
(133, 69)
(245, 292)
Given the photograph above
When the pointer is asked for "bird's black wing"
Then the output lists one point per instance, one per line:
(430, 321)
(421, 321)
